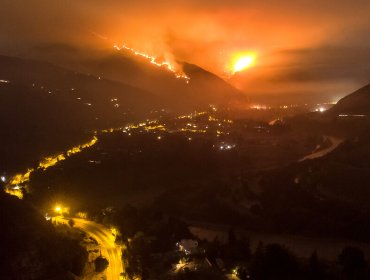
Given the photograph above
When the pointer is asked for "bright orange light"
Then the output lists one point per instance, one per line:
(244, 62)
(240, 61)
(58, 209)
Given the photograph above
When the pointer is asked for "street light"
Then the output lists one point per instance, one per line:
(58, 209)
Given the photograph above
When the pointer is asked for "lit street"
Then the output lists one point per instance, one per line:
(104, 237)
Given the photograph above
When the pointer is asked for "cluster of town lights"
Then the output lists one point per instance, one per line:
(16, 184)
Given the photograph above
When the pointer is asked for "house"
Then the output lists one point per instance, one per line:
(188, 246)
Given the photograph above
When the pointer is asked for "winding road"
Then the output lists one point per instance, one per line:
(335, 142)
(109, 249)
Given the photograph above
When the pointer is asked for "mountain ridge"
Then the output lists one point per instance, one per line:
(356, 103)
(123, 66)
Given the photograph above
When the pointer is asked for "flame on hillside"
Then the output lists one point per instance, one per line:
(153, 60)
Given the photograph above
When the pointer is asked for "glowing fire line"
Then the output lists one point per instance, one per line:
(153, 60)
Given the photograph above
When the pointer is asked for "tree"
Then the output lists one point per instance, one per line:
(232, 237)
(200, 274)
(239, 250)
(353, 263)
(127, 219)
(274, 262)
(243, 273)
(101, 264)
(136, 257)
(71, 223)
(315, 270)
(214, 249)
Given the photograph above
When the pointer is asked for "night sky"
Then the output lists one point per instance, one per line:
(301, 47)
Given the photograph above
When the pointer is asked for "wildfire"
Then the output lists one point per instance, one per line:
(241, 61)
(152, 59)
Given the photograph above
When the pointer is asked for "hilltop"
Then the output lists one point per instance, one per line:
(356, 103)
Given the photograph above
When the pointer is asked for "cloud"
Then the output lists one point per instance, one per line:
(329, 71)
(326, 63)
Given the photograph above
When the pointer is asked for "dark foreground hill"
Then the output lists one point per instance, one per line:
(348, 118)
(30, 246)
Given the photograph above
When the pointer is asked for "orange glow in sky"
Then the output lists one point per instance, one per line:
(272, 48)
(244, 62)
(241, 61)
